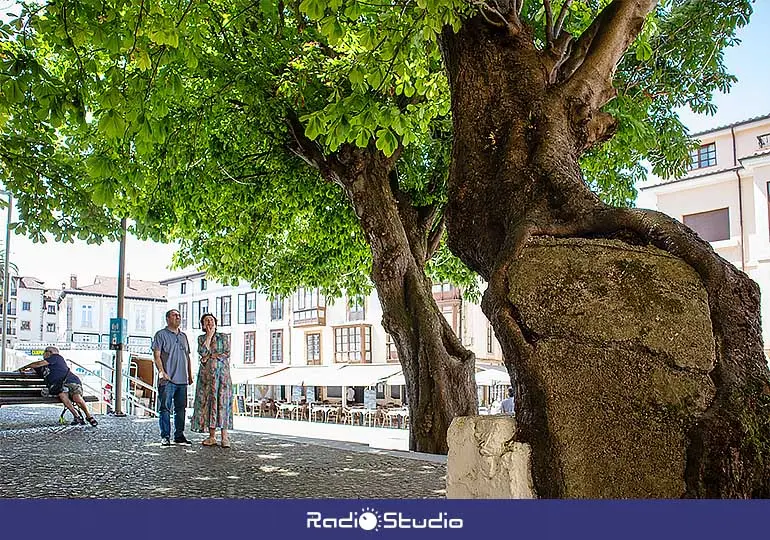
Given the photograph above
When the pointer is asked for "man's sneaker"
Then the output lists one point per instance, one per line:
(165, 441)
(183, 441)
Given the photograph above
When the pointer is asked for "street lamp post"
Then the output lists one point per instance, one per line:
(6, 280)
(121, 298)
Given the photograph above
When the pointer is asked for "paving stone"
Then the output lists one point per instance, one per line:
(122, 458)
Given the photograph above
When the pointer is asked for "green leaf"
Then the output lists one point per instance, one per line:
(386, 142)
(643, 51)
(314, 9)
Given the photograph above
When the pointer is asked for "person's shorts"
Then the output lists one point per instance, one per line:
(73, 388)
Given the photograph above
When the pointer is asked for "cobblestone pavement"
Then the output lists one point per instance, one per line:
(122, 458)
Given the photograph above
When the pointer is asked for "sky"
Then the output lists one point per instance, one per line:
(54, 262)
(750, 96)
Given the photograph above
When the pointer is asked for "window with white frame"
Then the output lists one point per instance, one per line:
(87, 316)
(140, 318)
(391, 352)
(490, 339)
(353, 344)
(313, 348)
(183, 315)
(249, 344)
(224, 310)
(308, 304)
(51, 309)
(196, 308)
(251, 308)
(204, 284)
(25, 325)
(26, 306)
(183, 288)
(356, 309)
(276, 309)
(50, 327)
(276, 346)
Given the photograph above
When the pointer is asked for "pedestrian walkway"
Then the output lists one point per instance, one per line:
(376, 437)
(122, 458)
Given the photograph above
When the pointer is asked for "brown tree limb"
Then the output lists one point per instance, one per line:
(310, 151)
(434, 238)
(561, 18)
(589, 71)
(549, 26)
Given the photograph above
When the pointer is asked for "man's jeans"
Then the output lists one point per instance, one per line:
(168, 394)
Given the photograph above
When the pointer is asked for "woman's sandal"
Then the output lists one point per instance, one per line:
(91, 420)
(209, 442)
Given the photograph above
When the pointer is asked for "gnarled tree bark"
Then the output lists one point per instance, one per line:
(522, 118)
(438, 370)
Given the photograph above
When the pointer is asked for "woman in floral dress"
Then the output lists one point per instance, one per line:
(213, 408)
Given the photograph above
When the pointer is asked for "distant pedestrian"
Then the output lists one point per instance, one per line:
(507, 405)
(61, 382)
(171, 353)
(213, 408)
(351, 397)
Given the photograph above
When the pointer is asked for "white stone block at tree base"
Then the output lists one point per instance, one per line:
(485, 462)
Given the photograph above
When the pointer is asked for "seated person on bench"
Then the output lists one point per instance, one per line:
(63, 383)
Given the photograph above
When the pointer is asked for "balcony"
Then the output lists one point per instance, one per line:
(310, 317)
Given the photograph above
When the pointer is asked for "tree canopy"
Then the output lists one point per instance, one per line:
(178, 115)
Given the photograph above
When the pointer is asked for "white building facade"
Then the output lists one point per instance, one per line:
(725, 198)
(306, 329)
(32, 311)
(85, 311)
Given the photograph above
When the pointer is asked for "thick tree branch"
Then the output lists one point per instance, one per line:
(505, 16)
(560, 20)
(549, 27)
(310, 151)
(589, 70)
(434, 238)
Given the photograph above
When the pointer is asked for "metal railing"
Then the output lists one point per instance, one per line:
(78, 346)
(131, 401)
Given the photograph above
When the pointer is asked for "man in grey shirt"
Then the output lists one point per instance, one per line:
(171, 353)
(507, 405)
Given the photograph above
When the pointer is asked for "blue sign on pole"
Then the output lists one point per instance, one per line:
(118, 333)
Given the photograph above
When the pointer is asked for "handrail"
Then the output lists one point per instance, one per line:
(138, 381)
(98, 393)
(135, 402)
(129, 397)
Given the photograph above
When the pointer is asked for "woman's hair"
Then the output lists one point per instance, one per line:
(208, 315)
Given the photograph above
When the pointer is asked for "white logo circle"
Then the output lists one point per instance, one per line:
(367, 521)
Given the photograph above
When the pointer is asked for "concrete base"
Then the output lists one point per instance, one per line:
(485, 462)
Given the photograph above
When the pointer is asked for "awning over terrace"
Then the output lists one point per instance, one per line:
(337, 375)
(247, 375)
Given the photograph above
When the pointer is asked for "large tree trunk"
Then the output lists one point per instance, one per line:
(439, 371)
(515, 174)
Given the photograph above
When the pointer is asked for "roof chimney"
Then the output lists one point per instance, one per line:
(73, 281)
